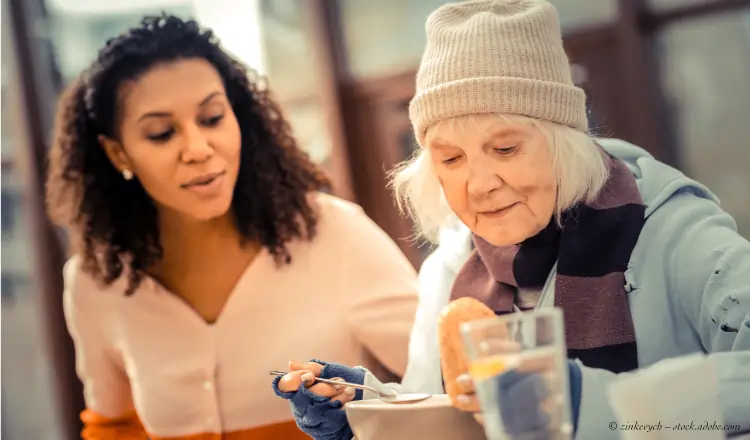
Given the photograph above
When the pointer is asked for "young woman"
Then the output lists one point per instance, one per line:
(202, 240)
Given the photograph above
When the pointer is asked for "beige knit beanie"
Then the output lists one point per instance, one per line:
(495, 56)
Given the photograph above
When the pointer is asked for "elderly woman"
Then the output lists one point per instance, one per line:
(646, 264)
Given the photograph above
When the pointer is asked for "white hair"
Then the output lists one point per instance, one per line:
(577, 161)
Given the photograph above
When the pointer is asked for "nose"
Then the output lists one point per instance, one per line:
(483, 179)
(197, 147)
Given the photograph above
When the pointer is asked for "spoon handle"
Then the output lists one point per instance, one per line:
(335, 382)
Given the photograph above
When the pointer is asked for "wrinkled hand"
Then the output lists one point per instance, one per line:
(467, 400)
(305, 374)
(317, 407)
(526, 404)
(527, 396)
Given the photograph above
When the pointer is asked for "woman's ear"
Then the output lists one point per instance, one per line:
(115, 153)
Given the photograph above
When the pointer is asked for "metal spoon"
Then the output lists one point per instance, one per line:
(388, 397)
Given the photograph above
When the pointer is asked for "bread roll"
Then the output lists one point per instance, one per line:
(452, 355)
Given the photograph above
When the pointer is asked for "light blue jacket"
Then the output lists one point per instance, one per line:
(689, 282)
(689, 292)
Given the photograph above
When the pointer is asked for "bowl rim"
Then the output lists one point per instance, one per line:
(437, 401)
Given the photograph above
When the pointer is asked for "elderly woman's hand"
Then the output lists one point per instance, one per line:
(317, 407)
(529, 396)
(304, 374)
(467, 400)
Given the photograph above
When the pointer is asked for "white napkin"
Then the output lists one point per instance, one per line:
(662, 401)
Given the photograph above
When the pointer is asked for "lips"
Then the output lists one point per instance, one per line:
(497, 211)
(202, 180)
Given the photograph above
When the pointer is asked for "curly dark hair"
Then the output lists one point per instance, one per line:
(113, 223)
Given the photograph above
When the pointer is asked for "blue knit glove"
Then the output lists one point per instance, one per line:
(521, 396)
(317, 416)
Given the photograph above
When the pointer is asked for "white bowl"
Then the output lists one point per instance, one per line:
(431, 419)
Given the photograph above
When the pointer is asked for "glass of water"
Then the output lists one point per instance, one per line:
(518, 364)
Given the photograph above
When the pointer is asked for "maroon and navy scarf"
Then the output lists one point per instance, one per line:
(592, 250)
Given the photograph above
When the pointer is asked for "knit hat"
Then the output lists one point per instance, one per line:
(495, 56)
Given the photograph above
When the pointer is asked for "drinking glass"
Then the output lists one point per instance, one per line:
(518, 364)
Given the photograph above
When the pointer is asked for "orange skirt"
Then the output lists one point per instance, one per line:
(129, 427)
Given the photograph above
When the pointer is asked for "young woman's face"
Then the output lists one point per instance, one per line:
(496, 176)
(180, 138)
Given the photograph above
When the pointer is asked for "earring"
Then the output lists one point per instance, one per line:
(127, 174)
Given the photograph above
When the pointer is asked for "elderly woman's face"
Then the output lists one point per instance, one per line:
(497, 177)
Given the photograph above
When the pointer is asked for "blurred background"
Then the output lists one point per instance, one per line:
(672, 76)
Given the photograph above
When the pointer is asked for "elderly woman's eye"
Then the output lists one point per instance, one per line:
(451, 160)
(507, 150)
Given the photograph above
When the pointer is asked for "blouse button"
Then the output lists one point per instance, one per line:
(207, 385)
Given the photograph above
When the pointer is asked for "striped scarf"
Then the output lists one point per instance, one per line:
(592, 250)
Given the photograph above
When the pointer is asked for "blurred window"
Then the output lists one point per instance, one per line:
(709, 92)
(79, 28)
(9, 201)
(293, 74)
(388, 36)
(28, 392)
(287, 41)
(670, 5)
